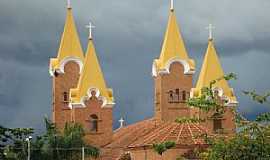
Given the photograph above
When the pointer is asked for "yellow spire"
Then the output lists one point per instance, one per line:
(173, 45)
(91, 78)
(70, 46)
(212, 70)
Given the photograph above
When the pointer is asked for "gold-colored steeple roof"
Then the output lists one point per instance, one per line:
(91, 77)
(173, 45)
(70, 46)
(212, 70)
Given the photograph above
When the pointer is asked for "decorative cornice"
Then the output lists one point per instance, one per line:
(61, 68)
(69, 59)
(105, 102)
(166, 70)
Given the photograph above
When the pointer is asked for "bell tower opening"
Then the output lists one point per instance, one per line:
(217, 123)
(172, 89)
(94, 123)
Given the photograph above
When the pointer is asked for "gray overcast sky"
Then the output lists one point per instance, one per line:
(128, 36)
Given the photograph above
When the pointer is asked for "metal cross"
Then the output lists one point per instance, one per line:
(210, 28)
(121, 122)
(90, 26)
(172, 5)
(69, 4)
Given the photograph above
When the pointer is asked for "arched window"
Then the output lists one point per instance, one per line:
(65, 96)
(94, 123)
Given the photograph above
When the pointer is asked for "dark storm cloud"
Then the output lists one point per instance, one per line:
(24, 95)
(34, 27)
(128, 37)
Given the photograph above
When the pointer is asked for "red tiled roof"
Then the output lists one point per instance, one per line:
(123, 137)
(148, 132)
(181, 134)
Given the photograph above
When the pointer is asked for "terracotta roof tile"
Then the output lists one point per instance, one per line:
(123, 137)
(181, 134)
(148, 132)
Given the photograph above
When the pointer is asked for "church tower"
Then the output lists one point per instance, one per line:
(212, 70)
(91, 101)
(80, 93)
(65, 71)
(173, 74)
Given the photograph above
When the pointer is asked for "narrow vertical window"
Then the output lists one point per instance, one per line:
(187, 95)
(177, 93)
(55, 73)
(94, 123)
(184, 95)
(170, 96)
(65, 97)
(157, 100)
(217, 124)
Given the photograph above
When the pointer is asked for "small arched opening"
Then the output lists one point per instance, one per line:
(94, 123)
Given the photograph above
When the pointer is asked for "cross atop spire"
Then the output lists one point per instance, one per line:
(210, 28)
(172, 5)
(69, 4)
(90, 26)
(121, 121)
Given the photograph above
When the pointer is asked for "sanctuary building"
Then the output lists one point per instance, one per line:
(80, 95)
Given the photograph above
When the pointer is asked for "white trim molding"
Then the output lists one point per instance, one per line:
(81, 104)
(69, 59)
(219, 90)
(90, 90)
(61, 69)
(230, 103)
(51, 69)
(166, 70)
(154, 69)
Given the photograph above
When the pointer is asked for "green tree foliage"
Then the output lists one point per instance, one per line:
(182, 120)
(252, 142)
(208, 100)
(67, 145)
(261, 99)
(53, 145)
(160, 148)
(253, 138)
(12, 142)
(258, 98)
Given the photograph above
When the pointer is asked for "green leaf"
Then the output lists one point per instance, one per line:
(264, 117)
